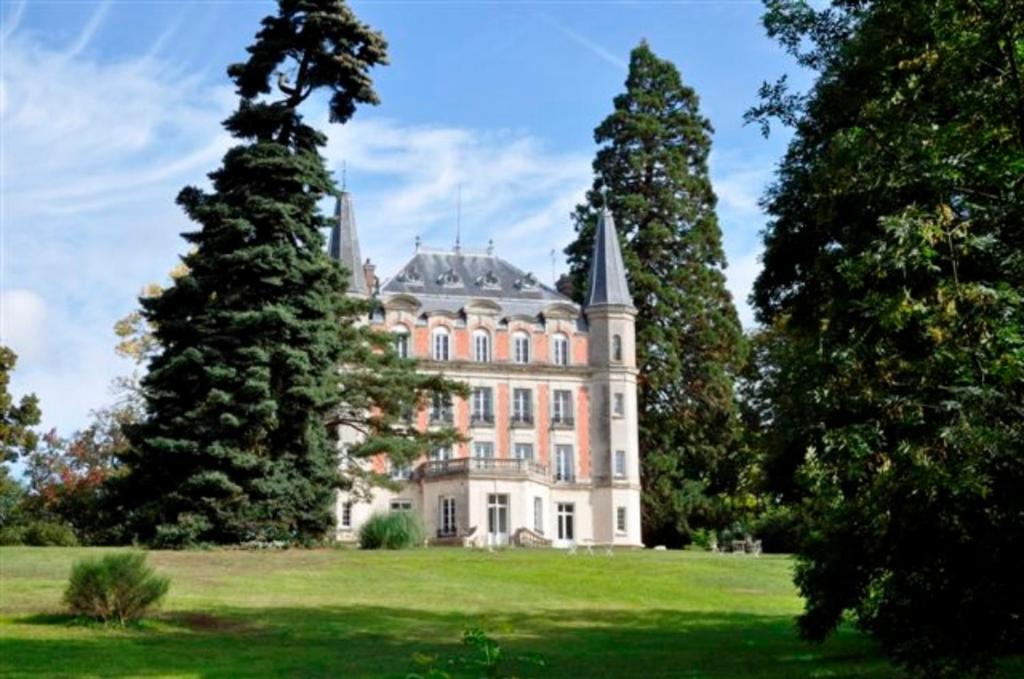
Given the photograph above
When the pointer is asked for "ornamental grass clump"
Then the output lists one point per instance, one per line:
(118, 588)
(394, 530)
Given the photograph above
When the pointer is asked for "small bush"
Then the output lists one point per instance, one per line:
(779, 529)
(704, 539)
(116, 587)
(12, 535)
(394, 530)
(39, 534)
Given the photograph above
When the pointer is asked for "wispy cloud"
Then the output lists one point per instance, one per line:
(590, 45)
(88, 31)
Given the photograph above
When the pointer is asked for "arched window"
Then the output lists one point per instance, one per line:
(481, 346)
(401, 334)
(617, 348)
(560, 349)
(521, 347)
(442, 344)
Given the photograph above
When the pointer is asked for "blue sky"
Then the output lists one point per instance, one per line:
(109, 108)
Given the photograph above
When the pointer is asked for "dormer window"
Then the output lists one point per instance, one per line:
(489, 281)
(442, 345)
(560, 349)
(409, 276)
(401, 334)
(527, 282)
(481, 346)
(449, 279)
(521, 347)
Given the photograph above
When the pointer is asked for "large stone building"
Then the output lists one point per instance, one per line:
(551, 424)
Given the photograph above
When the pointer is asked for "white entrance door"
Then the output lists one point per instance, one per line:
(497, 520)
(566, 535)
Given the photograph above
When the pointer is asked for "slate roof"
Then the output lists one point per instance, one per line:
(343, 245)
(462, 275)
(607, 272)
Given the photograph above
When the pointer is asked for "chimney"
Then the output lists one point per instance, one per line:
(369, 272)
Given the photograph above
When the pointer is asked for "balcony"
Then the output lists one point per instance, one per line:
(483, 467)
(481, 420)
(441, 417)
(562, 422)
(522, 421)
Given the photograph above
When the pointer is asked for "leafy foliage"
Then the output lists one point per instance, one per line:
(16, 419)
(114, 588)
(487, 659)
(244, 395)
(39, 534)
(393, 530)
(893, 265)
(652, 165)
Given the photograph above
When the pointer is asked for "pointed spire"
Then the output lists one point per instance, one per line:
(343, 246)
(608, 284)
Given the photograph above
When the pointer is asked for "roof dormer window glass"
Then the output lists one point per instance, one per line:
(442, 345)
(560, 349)
(481, 346)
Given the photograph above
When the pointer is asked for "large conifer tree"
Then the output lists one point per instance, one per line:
(894, 261)
(652, 169)
(236, 444)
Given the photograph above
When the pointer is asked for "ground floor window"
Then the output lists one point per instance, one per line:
(565, 527)
(538, 515)
(620, 519)
(346, 514)
(497, 518)
(447, 520)
(401, 505)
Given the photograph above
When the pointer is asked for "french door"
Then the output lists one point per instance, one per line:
(497, 519)
(566, 529)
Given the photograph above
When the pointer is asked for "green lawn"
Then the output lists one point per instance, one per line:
(353, 613)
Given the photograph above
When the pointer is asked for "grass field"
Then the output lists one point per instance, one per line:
(354, 613)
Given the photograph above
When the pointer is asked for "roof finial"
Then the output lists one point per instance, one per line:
(604, 194)
(554, 279)
(458, 221)
(344, 173)
(417, 243)
(490, 247)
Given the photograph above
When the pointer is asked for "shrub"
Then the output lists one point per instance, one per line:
(49, 534)
(393, 530)
(12, 535)
(704, 539)
(117, 587)
(779, 529)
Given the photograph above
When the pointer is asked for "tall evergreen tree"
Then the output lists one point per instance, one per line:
(252, 337)
(652, 169)
(894, 258)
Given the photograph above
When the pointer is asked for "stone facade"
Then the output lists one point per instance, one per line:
(551, 430)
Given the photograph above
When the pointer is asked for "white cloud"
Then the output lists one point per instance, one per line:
(22, 322)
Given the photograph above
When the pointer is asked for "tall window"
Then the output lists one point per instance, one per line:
(564, 467)
(561, 407)
(560, 349)
(524, 451)
(538, 515)
(441, 408)
(481, 346)
(521, 347)
(441, 453)
(446, 520)
(522, 406)
(346, 515)
(442, 344)
(483, 449)
(619, 405)
(482, 405)
(620, 464)
(565, 527)
(620, 519)
(617, 348)
(401, 341)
